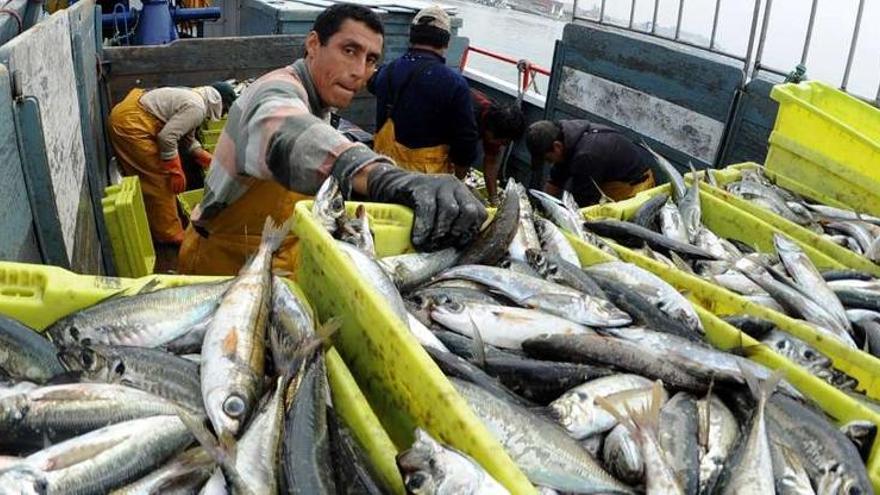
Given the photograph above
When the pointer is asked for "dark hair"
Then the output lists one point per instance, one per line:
(328, 22)
(423, 34)
(540, 137)
(227, 93)
(505, 121)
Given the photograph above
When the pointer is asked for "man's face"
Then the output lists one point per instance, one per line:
(555, 155)
(342, 67)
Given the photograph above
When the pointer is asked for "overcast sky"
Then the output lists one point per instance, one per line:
(788, 25)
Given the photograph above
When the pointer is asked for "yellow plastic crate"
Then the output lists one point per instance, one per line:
(38, 295)
(729, 222)
(791, 229)
(400, 380)
(829, 141)
(126, 220)
(189, 199)
(719, 333)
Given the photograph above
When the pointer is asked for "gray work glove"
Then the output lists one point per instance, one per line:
(446, 212)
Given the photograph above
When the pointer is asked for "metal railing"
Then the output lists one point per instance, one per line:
(751, 58)
(527, 71)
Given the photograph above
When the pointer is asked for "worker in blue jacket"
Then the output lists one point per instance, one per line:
(424, 114)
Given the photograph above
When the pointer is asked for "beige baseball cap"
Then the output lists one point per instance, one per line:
(433, 16)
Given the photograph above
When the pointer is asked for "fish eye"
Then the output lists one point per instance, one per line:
(73, 332)
(416, 481)
(119, 369)
(454, 306)
(88, 358)
(234, 406)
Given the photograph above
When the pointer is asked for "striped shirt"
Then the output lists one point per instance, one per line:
(278, 129)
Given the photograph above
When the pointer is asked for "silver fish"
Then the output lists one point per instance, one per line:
(679, 438)
(833, 212)
(109, 457)
(370, 270)
(689, 206)
(553, 241)
(526, 237)
(151, 370)
(185, 472)
(411, 270)
(791, 477)
(429, 467)
(809, 279)
(234, 348)
(795, 301)
(329, 205)
(671, 222)
(544, 452)
(501, 326)
(537, 293)
(653, 288)
(61, 411)
(559, 214)
(290, 323)
(356, 231)
(643, 425)
(141, 320)
(622, 456)
(679, 190)
(256, 452)
(719, 431)
(751, 469)
(580, 415)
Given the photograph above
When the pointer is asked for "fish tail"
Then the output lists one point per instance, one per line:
(761, 390)
(274, 234)
(648, 419)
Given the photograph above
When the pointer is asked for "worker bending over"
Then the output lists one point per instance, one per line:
(278, 147)
(148, 130)
(424, 112)
(586, 155)
(499, 126)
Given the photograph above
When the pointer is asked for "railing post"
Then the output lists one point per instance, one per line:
(464, 58)
(853, 44)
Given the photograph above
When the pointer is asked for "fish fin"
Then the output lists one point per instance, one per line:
(707, 425)
(274, 234)
(761, 391)
(150, 286)
(309, 348)
(479, 348)
(612, 410)
(650, 418)
(222, 451)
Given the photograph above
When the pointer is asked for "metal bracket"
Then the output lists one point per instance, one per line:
(38, 179)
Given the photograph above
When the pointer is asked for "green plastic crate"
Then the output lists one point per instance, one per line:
(796, 232)
(129, 229)
(829, 141)
(38, 295)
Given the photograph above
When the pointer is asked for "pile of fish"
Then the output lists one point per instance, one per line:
(594, 379)
(856, 231)
(206, 388)
(669, 230)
